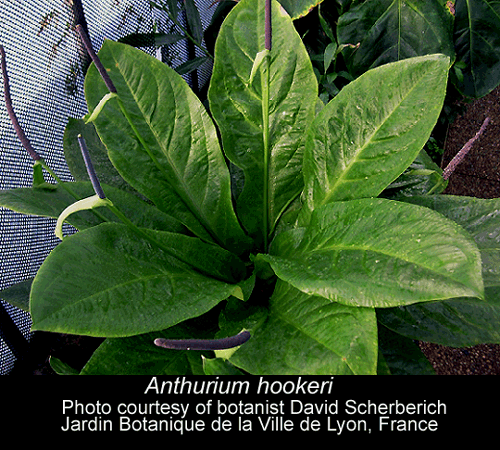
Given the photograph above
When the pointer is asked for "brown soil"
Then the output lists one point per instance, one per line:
(477, 176)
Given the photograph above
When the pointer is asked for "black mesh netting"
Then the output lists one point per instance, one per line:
(46, 65)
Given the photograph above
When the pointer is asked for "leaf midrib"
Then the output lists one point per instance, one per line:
(184, 195)
(339, 180)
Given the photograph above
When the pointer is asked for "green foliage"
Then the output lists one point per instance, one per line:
(272, 169)
(330, 250)
(346, 38)
(392, 30)
(477, 44)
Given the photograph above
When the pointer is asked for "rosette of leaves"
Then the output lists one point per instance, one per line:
(283, 227)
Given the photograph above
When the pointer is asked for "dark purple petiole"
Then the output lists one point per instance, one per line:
(268, 30)
(204, 344)
(90, 168)
(10, 110)
(88, 46)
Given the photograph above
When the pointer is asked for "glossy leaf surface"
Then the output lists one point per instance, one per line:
(238, 107)
(129, 285)
(378, 253)
(459, 322)
(182, 170)
(306, 334)
(372, 130)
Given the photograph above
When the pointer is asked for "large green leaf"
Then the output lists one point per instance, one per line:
(372, 130)
(392, 30)
(477, 43)
(106, 281)
(459, 322)
(182, 170)
(481, 218)
(307, 334)
(239, 107)
(378, 253)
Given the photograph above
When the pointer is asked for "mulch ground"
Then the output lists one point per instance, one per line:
(477, 176)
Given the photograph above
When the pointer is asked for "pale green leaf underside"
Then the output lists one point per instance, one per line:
(379, 253)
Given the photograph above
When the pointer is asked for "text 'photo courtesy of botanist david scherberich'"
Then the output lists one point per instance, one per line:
(190, 405)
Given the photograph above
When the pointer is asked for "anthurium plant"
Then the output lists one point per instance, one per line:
(276, 234)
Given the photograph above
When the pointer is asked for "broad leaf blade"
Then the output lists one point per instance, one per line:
(310, 335)
(237, 106)
(379, 253)
(459, 322)
(183, 171)
(392, 30)
(481, 218)
(477, 42)
(372, 130)
(105, 281)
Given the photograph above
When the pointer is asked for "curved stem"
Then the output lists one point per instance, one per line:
(90, 50)
(10, 110)
(204, 344)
